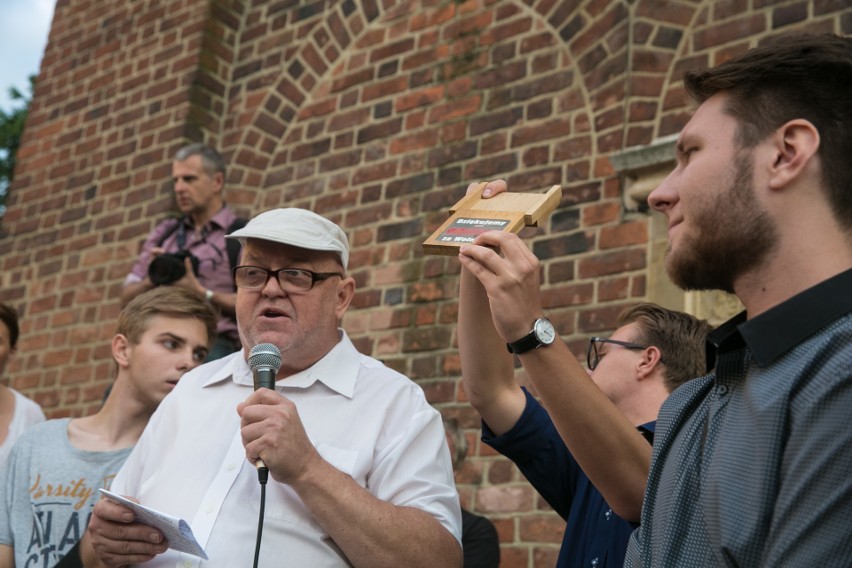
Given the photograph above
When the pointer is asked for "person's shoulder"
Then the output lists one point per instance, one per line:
(51, 426)
(40, 432)
(387, 380)
(166, 224)
(226, 218)
(382, 370)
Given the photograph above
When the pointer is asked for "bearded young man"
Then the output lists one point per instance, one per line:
(751, 463)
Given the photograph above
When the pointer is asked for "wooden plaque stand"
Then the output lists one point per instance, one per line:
(473, 215)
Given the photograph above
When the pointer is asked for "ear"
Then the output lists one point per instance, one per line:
(121, 350)
(795, 144)
(345, 292)
(219, 179)
(648, 363)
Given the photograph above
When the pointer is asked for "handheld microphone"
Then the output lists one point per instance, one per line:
(264, 360)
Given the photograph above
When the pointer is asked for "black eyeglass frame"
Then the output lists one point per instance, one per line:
(315, 277)
(592, 357)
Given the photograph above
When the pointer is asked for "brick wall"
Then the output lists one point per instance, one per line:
(376, 113)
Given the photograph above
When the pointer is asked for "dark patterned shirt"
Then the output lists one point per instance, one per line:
(752, 464)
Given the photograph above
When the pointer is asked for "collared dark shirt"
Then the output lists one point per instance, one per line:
(752, 465)
(594, 537)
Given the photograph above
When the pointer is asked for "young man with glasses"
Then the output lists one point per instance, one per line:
(360, 474)
(653, 351)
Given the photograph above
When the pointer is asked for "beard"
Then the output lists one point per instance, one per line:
(730, 237)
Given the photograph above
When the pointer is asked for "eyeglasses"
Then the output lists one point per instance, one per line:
(593, 356)
(290, 279)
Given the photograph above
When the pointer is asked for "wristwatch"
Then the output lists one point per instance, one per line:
(542, 333)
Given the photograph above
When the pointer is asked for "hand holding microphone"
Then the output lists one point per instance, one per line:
(264, 360)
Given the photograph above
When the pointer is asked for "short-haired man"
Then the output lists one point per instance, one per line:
(653, 351)
(753, 465)
(56, 467)
(359, 469)
(191, 251)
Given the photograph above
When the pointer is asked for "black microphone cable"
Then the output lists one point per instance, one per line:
(264, 360)
(262, 476)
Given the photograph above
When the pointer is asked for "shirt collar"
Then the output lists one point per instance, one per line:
(776, 331)
(221, 219)
(338, 370)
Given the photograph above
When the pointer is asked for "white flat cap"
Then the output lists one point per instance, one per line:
(299, 228)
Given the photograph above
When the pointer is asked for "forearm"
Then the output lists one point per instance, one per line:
(7, 555)
(487, 367)
(608, 448)
(371, 532)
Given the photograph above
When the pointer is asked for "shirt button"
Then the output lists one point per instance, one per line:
(723, 390)
(231, 467)
(594, 561)
(608, 514)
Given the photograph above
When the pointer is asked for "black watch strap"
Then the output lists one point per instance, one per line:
(524, 344)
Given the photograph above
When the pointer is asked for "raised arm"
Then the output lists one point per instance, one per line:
(487, 368)
(605, 444)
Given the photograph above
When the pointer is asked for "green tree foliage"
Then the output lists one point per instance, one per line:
(11, 129)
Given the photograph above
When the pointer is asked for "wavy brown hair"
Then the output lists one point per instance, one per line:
(679, 336)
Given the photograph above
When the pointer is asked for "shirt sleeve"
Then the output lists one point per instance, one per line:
(810, 521)
(535, 446)
(414, 470)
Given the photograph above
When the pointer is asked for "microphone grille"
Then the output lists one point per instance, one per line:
(265, 355)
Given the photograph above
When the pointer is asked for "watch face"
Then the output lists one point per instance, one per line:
(544, 331)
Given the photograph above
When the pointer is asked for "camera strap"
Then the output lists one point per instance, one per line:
(233, 246)
(181, 236)
(178, 223)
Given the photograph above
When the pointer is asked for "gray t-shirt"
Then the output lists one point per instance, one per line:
(48, 491)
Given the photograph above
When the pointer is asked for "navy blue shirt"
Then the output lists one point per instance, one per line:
(594, 535)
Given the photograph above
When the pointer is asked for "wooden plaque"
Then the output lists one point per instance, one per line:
(473, 215)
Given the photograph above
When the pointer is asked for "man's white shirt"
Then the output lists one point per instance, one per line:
(363, 418)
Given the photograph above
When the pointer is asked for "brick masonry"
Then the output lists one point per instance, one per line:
(377, 114)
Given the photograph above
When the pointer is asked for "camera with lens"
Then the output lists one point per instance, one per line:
(167, 268)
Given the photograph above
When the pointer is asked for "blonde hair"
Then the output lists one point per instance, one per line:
(165, 301)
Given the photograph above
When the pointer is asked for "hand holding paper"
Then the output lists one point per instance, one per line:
(177, 531)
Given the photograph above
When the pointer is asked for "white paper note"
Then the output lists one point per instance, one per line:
(177, 531)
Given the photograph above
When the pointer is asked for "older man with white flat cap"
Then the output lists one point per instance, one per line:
(359, 470)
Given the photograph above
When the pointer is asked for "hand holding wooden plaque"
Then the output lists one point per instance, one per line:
(473, 215)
